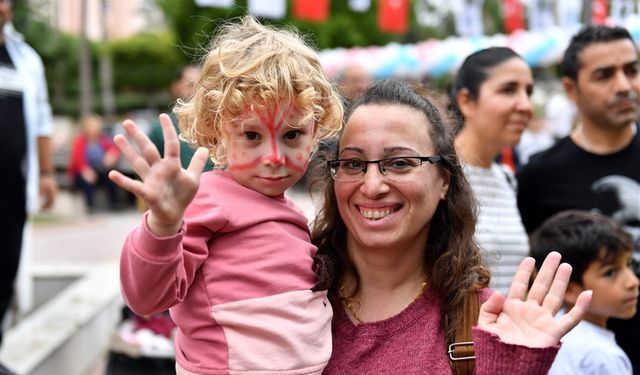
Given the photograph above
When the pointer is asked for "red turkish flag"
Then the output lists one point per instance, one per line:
(393, 16)
(513, 13)
(599, 12)
(311, 10)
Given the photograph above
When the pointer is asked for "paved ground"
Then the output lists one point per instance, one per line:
(68, 236)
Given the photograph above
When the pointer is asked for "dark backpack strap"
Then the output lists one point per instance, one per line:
(461, 353)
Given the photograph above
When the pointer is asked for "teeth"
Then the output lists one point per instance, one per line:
(376, 214)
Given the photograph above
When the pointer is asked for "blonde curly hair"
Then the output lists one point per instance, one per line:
(250, 65)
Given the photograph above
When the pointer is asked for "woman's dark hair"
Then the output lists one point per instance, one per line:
(473, 72)
(587, 36)
(581, 238)
(452, 258)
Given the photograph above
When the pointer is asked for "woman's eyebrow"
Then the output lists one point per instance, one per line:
(390, 150)
(352, 149)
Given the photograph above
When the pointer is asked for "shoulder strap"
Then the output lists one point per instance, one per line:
(461, 353)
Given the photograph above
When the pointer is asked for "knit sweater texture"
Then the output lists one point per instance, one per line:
(412, 342)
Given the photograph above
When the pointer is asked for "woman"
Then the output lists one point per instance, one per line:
(491, 94)
(93, 154)
(397, 225)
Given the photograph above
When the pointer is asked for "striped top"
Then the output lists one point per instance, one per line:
(499, 232)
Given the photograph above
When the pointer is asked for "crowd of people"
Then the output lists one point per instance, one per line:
(426, 254)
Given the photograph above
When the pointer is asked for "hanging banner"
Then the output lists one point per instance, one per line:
(393, 16)
(468, 17)
(513, 13)
(311, 10)
(274, 9)
(621, 10)
(216, 3)
(540, 15)
(599, 12)
(569, 13)
(359, 5)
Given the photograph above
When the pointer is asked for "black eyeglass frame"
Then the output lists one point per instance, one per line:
(430, 159)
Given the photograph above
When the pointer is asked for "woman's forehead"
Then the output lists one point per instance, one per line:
(387, 127)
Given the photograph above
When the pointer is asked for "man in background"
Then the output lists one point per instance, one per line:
(25, 149)
(596, 167)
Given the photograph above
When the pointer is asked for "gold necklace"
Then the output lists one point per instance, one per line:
(348, 302)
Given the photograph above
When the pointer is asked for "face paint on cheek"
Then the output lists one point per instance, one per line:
(244, 166)
(298, 167)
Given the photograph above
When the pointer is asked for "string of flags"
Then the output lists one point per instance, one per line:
(393, 15)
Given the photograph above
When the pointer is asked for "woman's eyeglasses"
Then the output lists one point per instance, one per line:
(396, 168)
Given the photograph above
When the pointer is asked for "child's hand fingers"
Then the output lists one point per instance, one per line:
(520, 283)
(490, 309)
(553, 300)
(544, 278)
(139, 164)
(198, 161)
(126, 183)
(171, 141)
(575, 315)
(147, 149)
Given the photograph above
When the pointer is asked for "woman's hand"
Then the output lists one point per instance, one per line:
(528, 319)
(165, 187)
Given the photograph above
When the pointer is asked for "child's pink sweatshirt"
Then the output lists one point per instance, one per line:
(237, 280)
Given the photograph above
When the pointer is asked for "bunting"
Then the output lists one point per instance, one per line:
(541, 15)
(359, 5)
(216, 3)
(599, 12)
(311, 10)
(569, 13)
(274, 9)
(468, 17)
(621, 10)
(513, 13)
(393, 16)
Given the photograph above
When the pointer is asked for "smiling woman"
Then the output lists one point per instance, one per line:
(396, 244)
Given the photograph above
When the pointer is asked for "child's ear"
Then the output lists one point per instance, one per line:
(573, 291)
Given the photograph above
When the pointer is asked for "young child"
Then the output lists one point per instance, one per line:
(226, 251)
(600, 253)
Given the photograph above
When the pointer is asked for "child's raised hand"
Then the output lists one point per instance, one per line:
(528, 318)
(166, 188)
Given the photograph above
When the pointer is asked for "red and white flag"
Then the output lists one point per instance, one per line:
(599, 12)
(311, 10)
(393, 16)
(513, 13)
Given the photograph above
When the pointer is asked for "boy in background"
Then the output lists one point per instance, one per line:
(600, 253)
